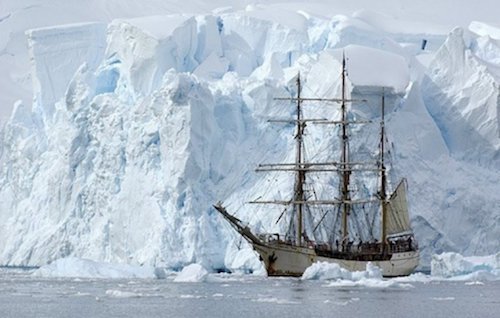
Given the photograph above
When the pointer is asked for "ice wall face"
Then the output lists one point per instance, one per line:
(57, 55)
(140, 126)
(125, 165)
(461, 89)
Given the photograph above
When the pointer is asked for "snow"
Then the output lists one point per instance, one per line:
(372, 67)
(193, 273)
(83, 268)
(130, 120)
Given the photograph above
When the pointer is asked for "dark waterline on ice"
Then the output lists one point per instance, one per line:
(19, 267)
(235, 296)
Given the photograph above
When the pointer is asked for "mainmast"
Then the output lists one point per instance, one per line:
(346, 171)
(383, 176)
(301, 175)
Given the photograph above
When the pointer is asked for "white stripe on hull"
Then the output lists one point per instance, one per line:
(293, 261)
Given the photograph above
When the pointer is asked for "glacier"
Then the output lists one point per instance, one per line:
(139, 125)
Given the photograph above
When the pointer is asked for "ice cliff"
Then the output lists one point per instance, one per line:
(138, 126)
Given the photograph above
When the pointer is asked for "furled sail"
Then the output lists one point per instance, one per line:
(398, 220)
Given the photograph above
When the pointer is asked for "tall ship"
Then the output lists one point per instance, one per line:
(390, 244)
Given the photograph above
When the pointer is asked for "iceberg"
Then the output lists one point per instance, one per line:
(139, 125)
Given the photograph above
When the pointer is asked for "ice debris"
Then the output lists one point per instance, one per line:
(454, 265)
(193, 273)
(340, 277)
(84, 268)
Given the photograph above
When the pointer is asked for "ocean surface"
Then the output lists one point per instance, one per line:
(22, 295)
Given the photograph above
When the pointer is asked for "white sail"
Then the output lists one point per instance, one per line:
(398, 220)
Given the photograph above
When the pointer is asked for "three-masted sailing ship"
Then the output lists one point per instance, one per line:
(395, 251)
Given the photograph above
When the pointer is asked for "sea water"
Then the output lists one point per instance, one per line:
(223, 295)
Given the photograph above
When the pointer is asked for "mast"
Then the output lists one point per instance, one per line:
(345, 195)
(300, 177)
(300, 167)
(383, 177)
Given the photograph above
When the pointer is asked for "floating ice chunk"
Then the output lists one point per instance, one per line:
(371, 283)
(443, 298)
(326, 271)
(450, 264)
(332, 271)
(83, 268)
(191, 274)
(122, 294)
(340, 277)
(275, 300)
(372, 271)
(474, 283)
(416, 277)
